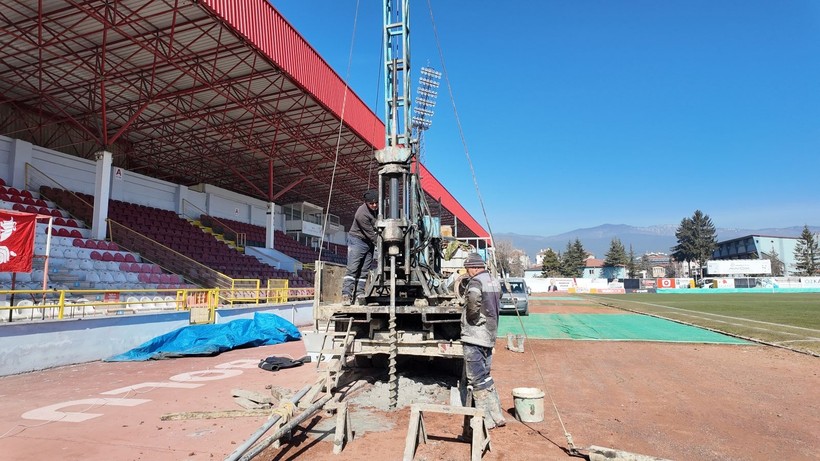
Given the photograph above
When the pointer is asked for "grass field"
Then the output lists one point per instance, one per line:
(790, 320)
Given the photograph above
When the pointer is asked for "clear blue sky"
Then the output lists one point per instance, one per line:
(579, 113)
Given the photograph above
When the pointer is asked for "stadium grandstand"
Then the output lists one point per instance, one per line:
(170, 146)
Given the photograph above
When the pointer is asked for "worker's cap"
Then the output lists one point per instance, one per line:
(371, 196)
(474, 260)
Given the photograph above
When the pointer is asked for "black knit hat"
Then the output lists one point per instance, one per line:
(371, 196)
(474, 260)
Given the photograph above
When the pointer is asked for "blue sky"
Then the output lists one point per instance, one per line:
(579, 113)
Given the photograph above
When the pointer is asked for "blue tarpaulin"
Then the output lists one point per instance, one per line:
(262, 330)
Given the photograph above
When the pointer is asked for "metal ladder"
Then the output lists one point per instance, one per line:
(332, 358)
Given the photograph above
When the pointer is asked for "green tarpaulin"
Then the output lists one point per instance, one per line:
(612, 327)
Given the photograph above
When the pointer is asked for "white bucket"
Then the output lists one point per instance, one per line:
(529, 404)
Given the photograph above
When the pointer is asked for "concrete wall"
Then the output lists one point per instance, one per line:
(79, 175)
(31, 346)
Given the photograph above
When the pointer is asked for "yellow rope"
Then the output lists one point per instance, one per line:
(285, 411)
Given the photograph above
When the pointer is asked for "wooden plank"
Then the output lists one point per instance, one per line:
(448, 409)
(253, 396)
(187, 415)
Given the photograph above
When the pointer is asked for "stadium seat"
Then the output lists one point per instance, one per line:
(132, 302)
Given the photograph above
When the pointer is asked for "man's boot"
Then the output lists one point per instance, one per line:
(484, 400)
(346, 300)
(495, 408)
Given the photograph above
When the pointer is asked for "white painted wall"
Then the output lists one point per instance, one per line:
(78, 174)
(32, 346)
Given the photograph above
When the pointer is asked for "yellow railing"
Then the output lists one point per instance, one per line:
(201, 302)
(243, 291)
(277, 291)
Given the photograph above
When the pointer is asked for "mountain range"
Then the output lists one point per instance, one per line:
(660, 238)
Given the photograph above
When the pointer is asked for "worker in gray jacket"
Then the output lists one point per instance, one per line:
(479, 329)
(361, 244)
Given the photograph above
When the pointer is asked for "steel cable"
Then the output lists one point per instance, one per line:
(568, 436)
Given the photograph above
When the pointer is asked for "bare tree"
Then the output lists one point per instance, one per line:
(510, 258)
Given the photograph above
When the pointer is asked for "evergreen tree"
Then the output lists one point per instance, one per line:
(646, 266)
(550, 264)
(697, 239)
(684, 251)
(615, 257)
(777, 264)
(705, 238)
(807, 253)
(572, 262)
(632, 264)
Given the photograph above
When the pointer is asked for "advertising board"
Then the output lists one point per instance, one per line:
(739, 266)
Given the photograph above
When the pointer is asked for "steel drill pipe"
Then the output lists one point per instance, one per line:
(265, 427)
(286, 428)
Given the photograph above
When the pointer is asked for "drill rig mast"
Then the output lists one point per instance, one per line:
(409, 238)
(409, 308)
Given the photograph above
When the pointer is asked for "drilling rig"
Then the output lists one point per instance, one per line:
(410, 308)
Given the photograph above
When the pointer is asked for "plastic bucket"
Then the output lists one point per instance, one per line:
(529, 404)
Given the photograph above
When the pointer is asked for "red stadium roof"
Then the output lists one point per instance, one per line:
(216, 91)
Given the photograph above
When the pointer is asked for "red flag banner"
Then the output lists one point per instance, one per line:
(16, 241)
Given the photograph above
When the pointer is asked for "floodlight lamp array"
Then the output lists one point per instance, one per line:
(421, 123)
(426, 99)
(426, 92)
(430, 72)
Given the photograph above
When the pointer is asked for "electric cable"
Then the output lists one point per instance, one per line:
(339, 133)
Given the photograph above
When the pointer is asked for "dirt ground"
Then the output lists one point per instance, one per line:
(678, 401)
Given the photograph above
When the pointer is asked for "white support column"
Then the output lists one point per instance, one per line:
(270, 227)
(102, 191)
(21, 153)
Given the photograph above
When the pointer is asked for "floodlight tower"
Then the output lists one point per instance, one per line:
(425, 99)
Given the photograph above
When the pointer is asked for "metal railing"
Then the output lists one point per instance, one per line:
(31, 305)
(79, 208)
(167, 258)
(240, 239)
